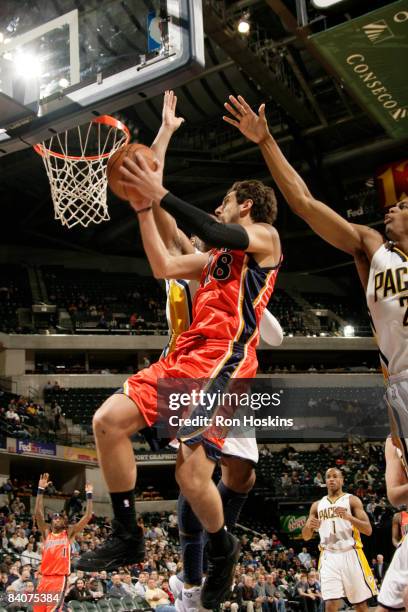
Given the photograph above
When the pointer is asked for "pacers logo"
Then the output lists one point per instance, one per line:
(378, 31)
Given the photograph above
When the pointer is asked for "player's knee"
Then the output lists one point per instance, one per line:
(117, 416)
(240, 480)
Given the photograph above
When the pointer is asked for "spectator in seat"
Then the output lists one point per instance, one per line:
(73, 505)
(128, 585)
(261, 599)
(78, 591)
(154, 595)
(305, 558)
(246, 594)
(20, 585)
(29, 557)
(166, 589)
(141, 584)
(275, 598)
(309, 600)
(117, 589)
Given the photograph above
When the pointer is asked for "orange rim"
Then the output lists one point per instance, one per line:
(104, 120)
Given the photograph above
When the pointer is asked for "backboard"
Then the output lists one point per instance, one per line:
(62, 63)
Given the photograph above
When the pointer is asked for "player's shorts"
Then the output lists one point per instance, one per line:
(198, 358)
(396, 397)
(346, 575)
(395, 579)
(50, 588)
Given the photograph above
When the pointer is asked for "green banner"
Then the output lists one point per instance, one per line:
(370, 55)
(292, 524)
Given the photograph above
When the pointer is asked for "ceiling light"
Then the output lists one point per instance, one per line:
(27, 66)
(243, 25)
(323, 4)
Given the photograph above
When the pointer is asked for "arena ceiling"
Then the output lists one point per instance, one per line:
(331, 140)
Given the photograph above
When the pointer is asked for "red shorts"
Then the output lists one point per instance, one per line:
(50, 593)
(202, 358)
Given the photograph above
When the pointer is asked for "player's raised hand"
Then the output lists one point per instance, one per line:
(251, 125)
(88, 488)
(44, 482)
(169, 118)
(141, 182)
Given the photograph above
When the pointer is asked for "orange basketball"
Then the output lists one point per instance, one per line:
(115, 162)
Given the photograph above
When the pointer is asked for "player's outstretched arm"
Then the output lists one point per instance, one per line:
(257, 238)
(162, 262)
(312, 523)
(348, 237)
(358, 517)
(396, 480)
(174, 239)
(82, 523)
(39, 504)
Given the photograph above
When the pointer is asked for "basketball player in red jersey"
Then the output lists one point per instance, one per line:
(237, 278)
(56, 557)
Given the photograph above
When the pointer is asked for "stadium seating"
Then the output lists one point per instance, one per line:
(89, 295)
(14, 293)
(78, 404)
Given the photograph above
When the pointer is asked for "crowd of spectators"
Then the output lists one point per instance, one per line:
(270, 576)
(300, 474)
(22, 417)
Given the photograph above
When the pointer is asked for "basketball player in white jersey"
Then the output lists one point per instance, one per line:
(240, 455)
(393, 593)
(344, 571)
(382, 265)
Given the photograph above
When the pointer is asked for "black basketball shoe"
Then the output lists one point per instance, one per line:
(220, 574)
(120, 548)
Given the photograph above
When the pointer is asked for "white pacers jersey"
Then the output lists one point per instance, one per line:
(387, 299)
(336, 534)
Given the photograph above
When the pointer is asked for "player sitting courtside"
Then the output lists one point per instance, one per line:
(237, 281)
(56, 557)
(344, 571)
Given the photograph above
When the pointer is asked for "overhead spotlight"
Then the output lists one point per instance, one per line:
(348, 331)
(243, 24)
(323, 4)
(27, 66)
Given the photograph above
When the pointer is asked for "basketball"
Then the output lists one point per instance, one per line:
(115, 162)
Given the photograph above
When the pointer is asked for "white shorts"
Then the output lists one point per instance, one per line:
(346, 575)
(242, 448)
(395, 580)
(396, 397)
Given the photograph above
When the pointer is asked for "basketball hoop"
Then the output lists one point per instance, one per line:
(78, 181)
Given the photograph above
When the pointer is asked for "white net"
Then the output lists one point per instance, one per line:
(76, 163)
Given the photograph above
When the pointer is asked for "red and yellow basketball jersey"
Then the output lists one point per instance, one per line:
(233, 293)
(403, 524)
(56, 557)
